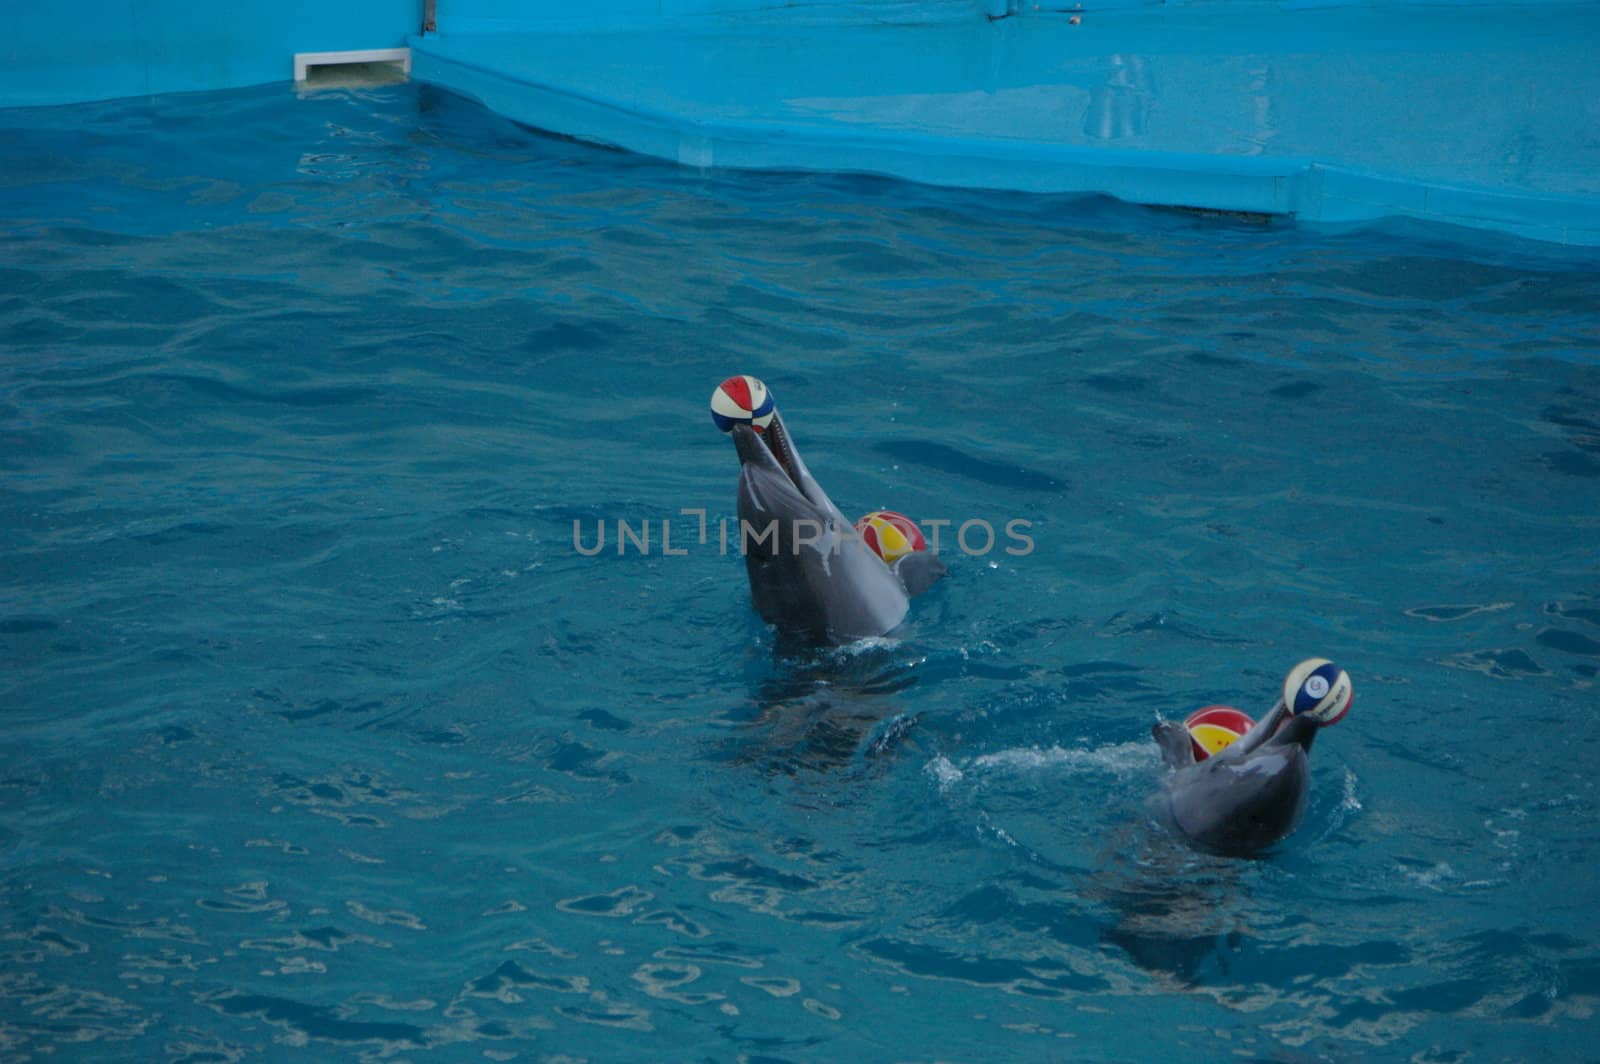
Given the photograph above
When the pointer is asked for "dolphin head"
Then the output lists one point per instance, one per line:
(1253, 793)
(773, 479)
(810, 574)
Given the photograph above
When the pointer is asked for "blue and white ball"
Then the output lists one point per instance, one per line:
(742, 401)
(1319, 689)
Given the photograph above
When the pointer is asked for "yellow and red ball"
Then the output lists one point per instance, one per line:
(1213, 728)
(891, 535)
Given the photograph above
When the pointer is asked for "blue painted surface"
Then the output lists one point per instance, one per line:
(472, 16)
(1470, 116)
(1335, 112)
(539, 16)
(319, 741)
(105, 49)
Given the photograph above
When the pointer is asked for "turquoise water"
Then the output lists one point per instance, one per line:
(321, 740)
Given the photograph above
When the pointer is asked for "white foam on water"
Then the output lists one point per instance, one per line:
(944, 772)
(1349, 803)
(1119, 758)
(867, 645)
(1430, 877)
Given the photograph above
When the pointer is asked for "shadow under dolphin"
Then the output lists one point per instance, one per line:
(823, 710)
(1175, 914)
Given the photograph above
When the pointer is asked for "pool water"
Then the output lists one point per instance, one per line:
(321, 738)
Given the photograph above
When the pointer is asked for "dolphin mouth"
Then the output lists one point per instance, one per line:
(775, 442)
(1293, 730)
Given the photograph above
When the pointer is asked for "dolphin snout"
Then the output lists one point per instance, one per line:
(1300, 730)
(747, 441)
(770, 449)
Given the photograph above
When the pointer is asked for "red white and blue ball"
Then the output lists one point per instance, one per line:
(1319, 689)
(742, 400)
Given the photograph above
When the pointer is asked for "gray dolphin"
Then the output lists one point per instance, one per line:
(811, 575)
(1253, 792)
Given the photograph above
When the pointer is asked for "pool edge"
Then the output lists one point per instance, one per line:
(1313, 190)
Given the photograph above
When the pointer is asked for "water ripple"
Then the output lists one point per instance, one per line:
(320, 736)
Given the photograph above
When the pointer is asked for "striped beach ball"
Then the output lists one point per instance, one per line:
(742, 401)
(1211, 729)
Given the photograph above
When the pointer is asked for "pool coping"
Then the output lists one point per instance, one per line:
(1298, 187)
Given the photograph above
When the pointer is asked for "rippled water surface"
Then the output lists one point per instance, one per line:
(317, 731)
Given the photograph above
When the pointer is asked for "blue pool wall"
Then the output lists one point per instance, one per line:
(521, 16)
(106, 49)
(477, 15)
(83, 50)
(88, 50)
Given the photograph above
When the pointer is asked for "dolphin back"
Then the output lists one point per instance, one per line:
(1236, 807)
(833, 591)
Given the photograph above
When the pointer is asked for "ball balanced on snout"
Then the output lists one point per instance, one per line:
(742, 400)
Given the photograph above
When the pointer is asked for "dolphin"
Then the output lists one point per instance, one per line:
(811, 575)
(1252, 793)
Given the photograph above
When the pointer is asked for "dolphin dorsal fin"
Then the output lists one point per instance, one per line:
(1177, 750)
(918, 571)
